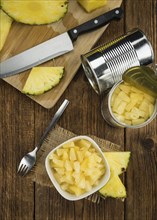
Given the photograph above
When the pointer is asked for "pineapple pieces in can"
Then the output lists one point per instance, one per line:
(130, 105)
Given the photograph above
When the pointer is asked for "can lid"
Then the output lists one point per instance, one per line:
(142, 77)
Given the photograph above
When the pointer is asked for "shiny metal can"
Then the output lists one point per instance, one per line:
(109, 117)
(105, 64)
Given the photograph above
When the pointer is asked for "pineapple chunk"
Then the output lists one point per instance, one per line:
(151, 109)
(138, 121)
(5, 25)
(90, 5)
(121, 108)
(72, 155)
(35, 12)
(84, 144)
(123, 96)
(42, 79)
(114, 188)
(125, 88)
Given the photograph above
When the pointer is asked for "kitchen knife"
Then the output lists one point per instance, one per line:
(54, 47)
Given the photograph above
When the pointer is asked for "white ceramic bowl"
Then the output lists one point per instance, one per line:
(67, 195)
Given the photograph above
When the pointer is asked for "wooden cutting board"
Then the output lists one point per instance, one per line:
(22, 37)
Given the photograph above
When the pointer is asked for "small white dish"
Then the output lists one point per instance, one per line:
(70, 196)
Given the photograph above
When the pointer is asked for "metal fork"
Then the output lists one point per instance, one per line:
(28, 161)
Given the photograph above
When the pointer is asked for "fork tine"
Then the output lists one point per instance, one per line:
(20, 168)
(24, 171)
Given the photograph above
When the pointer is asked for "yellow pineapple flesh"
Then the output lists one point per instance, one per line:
(5, 25)
(90, 5)
(35, 12)
(118, 161)
(42, 79)
(114, 188)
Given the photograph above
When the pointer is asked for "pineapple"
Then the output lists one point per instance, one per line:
(90, 5)
(35, 12)
(42, 79)
(131, 105)
(5, 25)
(118, 161)
(114, 188)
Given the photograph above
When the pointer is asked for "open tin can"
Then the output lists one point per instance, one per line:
(105, 64)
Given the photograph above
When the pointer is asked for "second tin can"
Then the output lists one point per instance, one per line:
(105, 65)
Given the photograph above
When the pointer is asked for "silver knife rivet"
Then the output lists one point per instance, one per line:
(117, 12)
(75, 31)
(96, 21)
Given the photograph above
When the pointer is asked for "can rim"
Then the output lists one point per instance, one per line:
(90, 74)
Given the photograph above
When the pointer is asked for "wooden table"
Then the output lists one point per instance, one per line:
(23, 122)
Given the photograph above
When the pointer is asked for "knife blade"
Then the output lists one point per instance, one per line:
(54, 47)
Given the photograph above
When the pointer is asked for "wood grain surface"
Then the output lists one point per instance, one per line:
(23, 121)
(22, 37)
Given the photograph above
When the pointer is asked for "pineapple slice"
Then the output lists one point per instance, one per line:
(114, 188)
(5, 24)
(42, 79)
(90, 5)
(35, 12)
(118, 161)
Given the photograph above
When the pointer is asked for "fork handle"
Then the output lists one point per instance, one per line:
(53, 122)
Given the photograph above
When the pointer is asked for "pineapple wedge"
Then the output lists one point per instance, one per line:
(90, 5)
(35, 12)
(42, 79)
(114, 188)
(118, 161)
(5, 24)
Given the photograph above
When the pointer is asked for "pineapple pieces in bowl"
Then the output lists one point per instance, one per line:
(77, 168)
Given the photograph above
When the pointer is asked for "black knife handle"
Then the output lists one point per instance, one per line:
(95, 23)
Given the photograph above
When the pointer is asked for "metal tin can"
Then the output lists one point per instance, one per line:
(111, 119)
(105, 64)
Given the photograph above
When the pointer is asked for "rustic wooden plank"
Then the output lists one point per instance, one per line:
(16, 138)
(141, 175)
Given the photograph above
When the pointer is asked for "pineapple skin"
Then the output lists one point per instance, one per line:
(5, 25)
(91, 5)
(35, 13)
